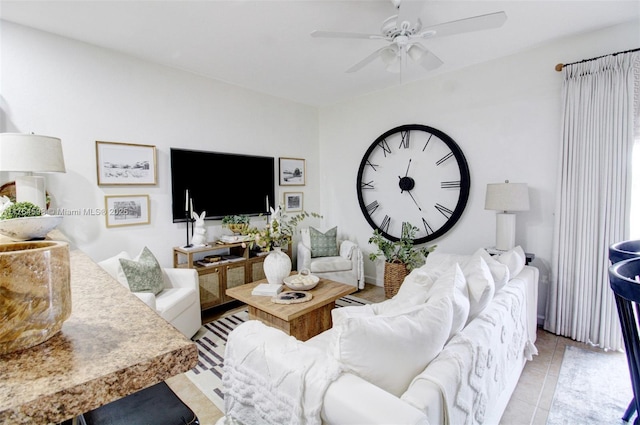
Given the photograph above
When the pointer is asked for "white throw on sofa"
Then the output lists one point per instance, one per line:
(344, 263)
(447, 349)
(178, 299)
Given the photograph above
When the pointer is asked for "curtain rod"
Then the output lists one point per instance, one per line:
(560, 65)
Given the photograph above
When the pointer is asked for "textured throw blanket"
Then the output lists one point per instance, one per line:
(480, 369)
(272, 378)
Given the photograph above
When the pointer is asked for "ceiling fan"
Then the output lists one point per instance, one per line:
(404, 32)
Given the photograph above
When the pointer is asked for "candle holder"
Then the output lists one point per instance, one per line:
(189, 220)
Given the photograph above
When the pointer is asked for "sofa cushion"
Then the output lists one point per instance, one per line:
(330, 264)
(452, 284)
(514, 259)
(499, 271)
(173, 301)
(143, 273)
(480, 285)
(382, 349)
(323, 244)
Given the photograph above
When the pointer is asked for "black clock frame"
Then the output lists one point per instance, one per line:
(465, 181)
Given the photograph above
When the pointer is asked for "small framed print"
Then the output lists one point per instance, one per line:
(126, 210)
(292, 172)
(125, 164)
(293, 201)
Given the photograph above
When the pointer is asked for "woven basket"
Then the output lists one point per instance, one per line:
(394, 274)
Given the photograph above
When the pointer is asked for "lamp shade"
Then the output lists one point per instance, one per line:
(507, 197)
(30, 153)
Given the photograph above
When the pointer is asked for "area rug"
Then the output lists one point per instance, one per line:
(593, 388)
(207, 375)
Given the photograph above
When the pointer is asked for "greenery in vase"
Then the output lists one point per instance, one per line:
(21, 209)
(402, 251)
(278, 231)
(235, 219)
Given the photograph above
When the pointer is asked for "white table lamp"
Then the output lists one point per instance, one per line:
(506, 197)
(31, 153)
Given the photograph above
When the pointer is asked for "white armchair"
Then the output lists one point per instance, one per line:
(347, 267)
(179, 301)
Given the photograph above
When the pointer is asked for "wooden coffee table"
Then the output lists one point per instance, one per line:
(302, 320)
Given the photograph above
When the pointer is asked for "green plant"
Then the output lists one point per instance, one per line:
(235, 219)
(21, 209)
(279, 230)
(401, 251)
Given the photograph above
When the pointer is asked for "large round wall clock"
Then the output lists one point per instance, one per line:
(413, 174)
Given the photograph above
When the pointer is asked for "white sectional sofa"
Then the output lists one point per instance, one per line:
(449, 348)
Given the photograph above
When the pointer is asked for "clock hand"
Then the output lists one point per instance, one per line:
(414, 200)
(408, 165)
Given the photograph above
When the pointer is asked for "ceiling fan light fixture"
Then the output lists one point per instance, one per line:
(389, 55)
(416, 52)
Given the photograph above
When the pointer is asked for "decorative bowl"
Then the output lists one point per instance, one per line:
(26, 228)
(301, 281)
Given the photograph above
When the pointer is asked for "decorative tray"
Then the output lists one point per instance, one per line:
(292, 297)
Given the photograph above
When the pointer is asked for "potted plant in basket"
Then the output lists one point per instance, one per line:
(400, 256)
(238, 224)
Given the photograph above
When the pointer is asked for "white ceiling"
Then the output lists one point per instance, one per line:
(265, 45)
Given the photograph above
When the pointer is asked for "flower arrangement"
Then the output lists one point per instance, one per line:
(278, 231)
(9, 210)
(402, 251)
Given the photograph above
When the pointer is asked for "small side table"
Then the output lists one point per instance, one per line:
(529, 257)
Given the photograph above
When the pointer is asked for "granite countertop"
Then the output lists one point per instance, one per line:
(111, 346)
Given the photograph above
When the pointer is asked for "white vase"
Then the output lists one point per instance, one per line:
(277, 266)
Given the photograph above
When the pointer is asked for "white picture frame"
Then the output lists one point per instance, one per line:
(125, 164)
(293, 201)
(126, 210)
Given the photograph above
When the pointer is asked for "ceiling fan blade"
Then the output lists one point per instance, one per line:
(424, 57)
(332, 34)
(476, 23)
(367, 60)
(410, 11)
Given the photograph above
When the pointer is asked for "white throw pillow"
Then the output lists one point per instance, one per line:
(113, 267)
(417, 284)
(340, 314)
(514, 259)
(452, 284)
(480, 285)
(499, 271)
(389, 351)
(440, 262)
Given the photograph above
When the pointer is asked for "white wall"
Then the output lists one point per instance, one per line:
(58, 87)
(505, 115)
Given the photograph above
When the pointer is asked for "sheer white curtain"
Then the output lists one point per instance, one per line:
(593, 196)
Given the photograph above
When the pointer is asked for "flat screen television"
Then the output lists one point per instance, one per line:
(221, 183)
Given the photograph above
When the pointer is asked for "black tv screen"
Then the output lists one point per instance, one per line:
(221, 183)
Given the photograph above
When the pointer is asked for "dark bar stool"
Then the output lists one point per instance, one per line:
(622, 278)
(617, 252)
(156, 405)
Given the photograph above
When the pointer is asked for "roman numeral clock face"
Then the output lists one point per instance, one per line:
(415, 174)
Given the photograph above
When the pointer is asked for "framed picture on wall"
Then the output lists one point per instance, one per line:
(126, 210)
(125, 164)
(293, 201)
(292, 172)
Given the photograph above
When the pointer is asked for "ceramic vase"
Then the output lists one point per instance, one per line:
(277, 266)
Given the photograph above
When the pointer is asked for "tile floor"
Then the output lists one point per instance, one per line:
(530, 402)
